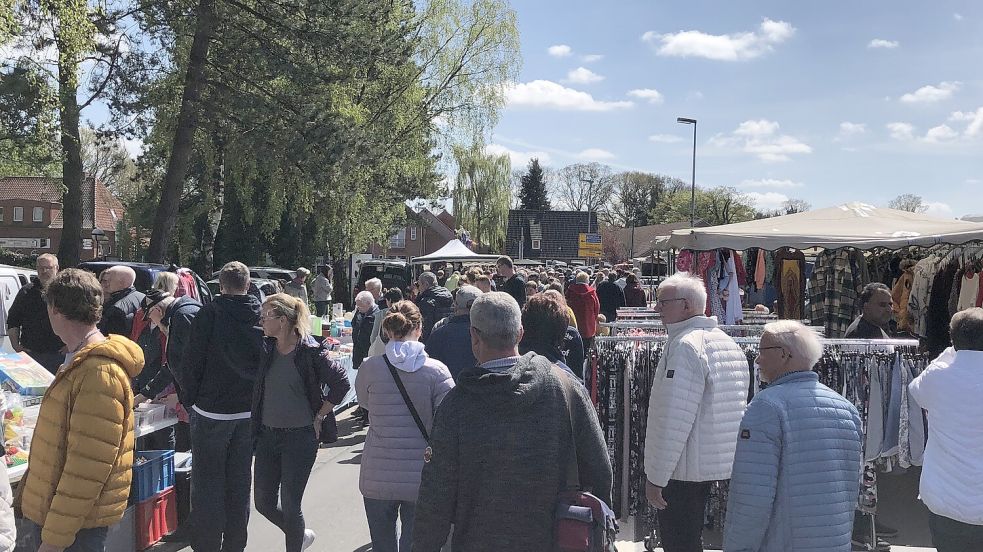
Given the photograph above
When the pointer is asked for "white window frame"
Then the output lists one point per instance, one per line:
(18, 214)
(413, 233)
(537, 244)
(398, 240)
(38, 214)
(1, 214)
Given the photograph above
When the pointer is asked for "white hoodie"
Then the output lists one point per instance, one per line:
(407, 356)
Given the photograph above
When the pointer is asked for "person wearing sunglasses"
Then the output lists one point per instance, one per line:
(799, 452)
(697, 401)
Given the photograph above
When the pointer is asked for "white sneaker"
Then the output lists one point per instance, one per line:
(309, 536)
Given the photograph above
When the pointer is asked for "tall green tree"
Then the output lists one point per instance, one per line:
(635, 195)
(533, 195)
(481, 195)
(720, 205)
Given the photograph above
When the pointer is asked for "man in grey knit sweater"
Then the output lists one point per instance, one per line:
(501, 440)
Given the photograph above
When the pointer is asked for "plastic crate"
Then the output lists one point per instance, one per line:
(153, 476)
(123, 535)
(156, 517)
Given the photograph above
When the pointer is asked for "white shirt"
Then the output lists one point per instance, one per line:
(952, 476)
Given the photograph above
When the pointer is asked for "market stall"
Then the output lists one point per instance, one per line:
(454, 252)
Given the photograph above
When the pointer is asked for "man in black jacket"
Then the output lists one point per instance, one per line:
(216, 386)
(501, 440)
(450, 340)
(610, 297)
(174, 316)
(366, 312)
(27, 322)
(513, 284)
(123, 300)
(434, 302)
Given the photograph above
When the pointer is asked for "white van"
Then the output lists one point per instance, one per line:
(12, 278)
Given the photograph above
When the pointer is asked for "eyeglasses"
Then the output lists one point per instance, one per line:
(775, 347)
(270, 316)
(662, 302)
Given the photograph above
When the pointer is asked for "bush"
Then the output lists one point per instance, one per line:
(14, 258)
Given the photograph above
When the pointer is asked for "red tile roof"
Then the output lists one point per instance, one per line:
(108, 210)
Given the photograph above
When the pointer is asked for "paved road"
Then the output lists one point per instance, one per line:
(333, 505)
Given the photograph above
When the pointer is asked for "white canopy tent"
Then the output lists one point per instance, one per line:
(454, 252)
(852, 225)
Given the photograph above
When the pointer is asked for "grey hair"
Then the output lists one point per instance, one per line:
(497, 318)
(582, 277)
(364, 298)
(689, 287)
(870, 289)
(799, 341)
(373, 283)
(428, 278)
(966, 330)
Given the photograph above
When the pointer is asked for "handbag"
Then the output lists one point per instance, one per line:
(329, 429)
(427, 452)
(584, 523)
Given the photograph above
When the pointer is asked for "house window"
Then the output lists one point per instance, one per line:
(536, 244)
(38, 214)
(413, 233)
(399, 240)
(18, 214)
(1, 214)
(45, 243)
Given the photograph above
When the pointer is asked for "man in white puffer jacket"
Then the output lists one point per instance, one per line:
(695, 411)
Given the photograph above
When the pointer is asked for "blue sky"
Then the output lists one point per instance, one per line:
(824, 101)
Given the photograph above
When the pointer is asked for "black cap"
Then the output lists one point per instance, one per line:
(151, 299)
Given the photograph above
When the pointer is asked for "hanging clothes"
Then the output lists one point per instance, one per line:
(969, 290)
(733, 310)
(899, 299)
(790, 275)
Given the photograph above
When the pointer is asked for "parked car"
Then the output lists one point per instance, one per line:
(267, 286)
(146, 274)
(393, 273)
(267, 273)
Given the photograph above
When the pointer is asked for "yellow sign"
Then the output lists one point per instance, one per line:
(589, 245)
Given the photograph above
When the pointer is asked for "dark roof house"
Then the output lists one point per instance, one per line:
(547, 235)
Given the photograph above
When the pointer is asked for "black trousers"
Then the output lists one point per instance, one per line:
(681, 524)
(284, 459)
(949, 535)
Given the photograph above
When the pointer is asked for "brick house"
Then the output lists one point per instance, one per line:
(423, 234)
(547, 235)
(31, 215)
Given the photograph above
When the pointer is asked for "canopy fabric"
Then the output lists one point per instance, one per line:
(852, 225)
(454, 252)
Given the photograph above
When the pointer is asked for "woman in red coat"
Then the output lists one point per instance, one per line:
(582, 298)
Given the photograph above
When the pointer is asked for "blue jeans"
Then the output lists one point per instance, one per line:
(220, 480)
(284, 458)
(86, 540)
(382, 515)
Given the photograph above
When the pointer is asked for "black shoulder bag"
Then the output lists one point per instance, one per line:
(428, 452)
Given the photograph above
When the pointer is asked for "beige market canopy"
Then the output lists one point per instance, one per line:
(454, 252)
(852, 225)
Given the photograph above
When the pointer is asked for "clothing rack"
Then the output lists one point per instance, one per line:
(753, 340)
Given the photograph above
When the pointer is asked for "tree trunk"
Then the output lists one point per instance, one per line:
(70, 246)
(215, 210)
(187, 123)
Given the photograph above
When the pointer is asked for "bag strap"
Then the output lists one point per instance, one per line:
(406, 399)
(572, 469)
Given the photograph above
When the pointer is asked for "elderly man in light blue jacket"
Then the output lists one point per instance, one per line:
(797, 468)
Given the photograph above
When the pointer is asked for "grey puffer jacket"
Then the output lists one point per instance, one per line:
(797, 470)
(393, 456)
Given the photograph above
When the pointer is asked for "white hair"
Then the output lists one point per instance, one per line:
(689, 287)
(373, 283)
(800, 342)
(497, 318)
(364, 298)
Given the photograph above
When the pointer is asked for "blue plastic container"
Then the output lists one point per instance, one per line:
(153, 476)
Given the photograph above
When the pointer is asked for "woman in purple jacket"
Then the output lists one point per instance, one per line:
(395, 446)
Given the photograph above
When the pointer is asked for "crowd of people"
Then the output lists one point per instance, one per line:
(473, 399)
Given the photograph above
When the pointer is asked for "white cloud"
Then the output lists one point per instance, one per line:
(133, 146)
(941, 133)
(770, 183)
(881, 43)
(591, 58)
(957, 16)
(974, 118)
(652, 95)
(973, 181)
(665, 138)
(559, 50)
(583, 75)
(544, 94)
(851, 129)
(518, 158)
(595, 154)
(727, 47)
(937, 209)
(931, 94)
(901, 131)
(767, 201)
(761, 138)
(696, 95)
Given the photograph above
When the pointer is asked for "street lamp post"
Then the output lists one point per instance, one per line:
(100, 238)
(692, 199)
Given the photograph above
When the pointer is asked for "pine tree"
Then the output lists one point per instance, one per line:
(533, 196)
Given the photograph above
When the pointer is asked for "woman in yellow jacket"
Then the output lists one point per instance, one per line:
(79, 470)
